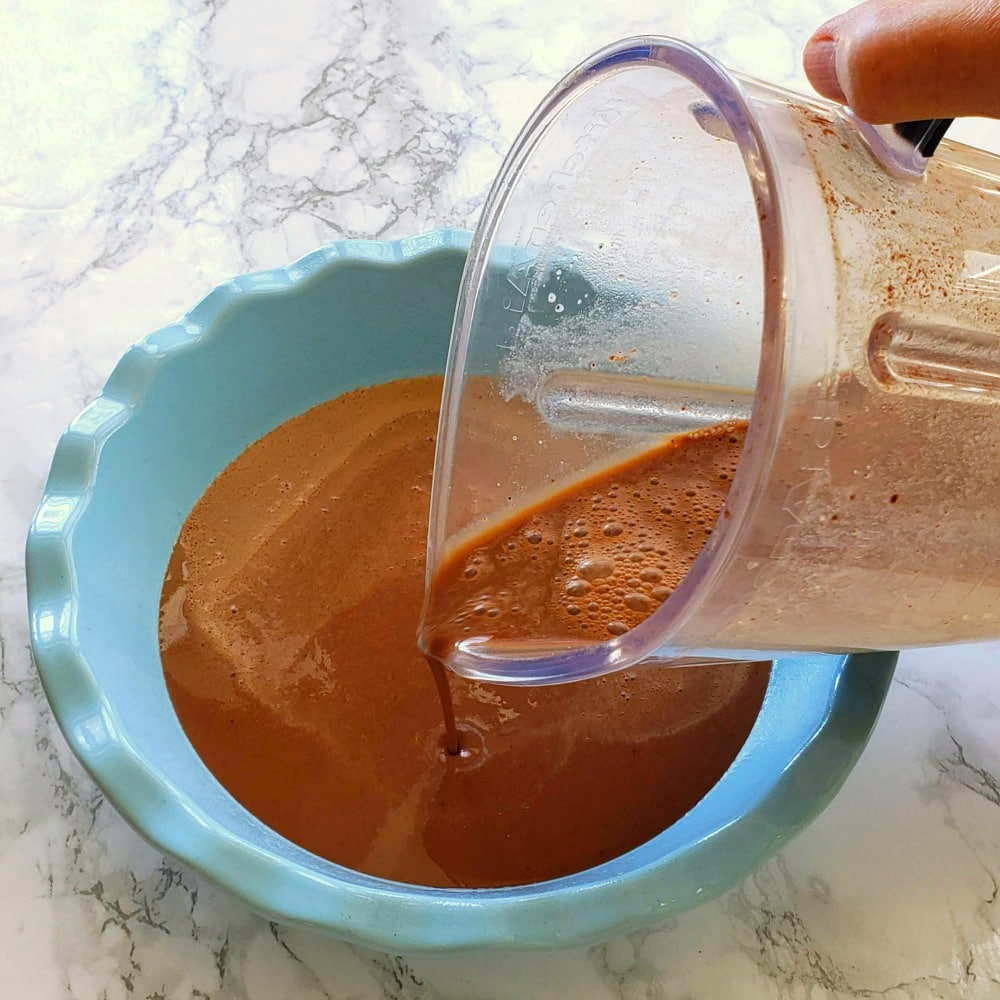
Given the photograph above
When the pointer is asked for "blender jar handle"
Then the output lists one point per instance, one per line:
(925, 134)
(903, 149)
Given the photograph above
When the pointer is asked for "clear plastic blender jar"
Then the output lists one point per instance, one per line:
(670, 246)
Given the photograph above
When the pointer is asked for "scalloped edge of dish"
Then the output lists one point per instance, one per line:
(393, 915)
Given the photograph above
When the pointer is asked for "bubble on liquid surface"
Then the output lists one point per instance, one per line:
(534, 537)
(577, 587)
(612, 529)
(637, 602)
(472, 748)
(650, 575)
(617, 627)
(595, 569)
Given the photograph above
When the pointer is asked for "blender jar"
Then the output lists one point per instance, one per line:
(670, 246)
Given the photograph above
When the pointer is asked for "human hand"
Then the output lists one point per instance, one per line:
(903, 60)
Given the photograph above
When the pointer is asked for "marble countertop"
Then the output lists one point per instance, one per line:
(152, 150)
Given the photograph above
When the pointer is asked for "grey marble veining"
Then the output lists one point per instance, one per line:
(151, 150)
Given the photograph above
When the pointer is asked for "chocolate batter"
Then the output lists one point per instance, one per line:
(592, 561)
(288, 621)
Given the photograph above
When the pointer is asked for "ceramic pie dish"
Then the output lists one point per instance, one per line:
(179, 406)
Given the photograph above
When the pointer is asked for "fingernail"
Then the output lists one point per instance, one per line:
(820, 63)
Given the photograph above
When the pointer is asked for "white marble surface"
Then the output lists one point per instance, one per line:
(150, 150)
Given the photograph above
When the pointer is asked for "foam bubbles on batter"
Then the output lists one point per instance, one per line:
(614, 554)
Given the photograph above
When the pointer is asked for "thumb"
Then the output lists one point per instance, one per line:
(901, 60)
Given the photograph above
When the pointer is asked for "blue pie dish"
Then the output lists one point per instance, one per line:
(180, 405)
